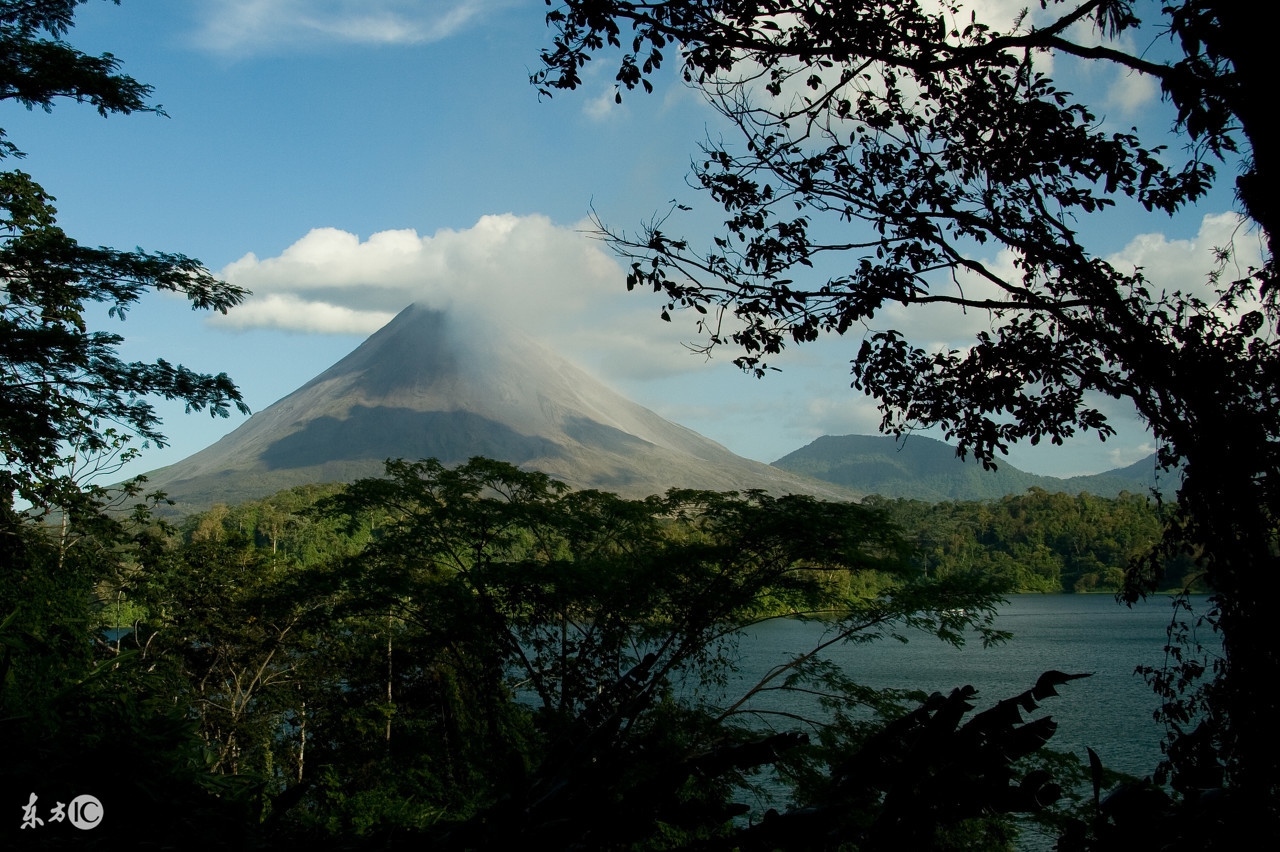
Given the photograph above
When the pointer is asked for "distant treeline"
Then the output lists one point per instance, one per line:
(1033, 542)
(1037, 541)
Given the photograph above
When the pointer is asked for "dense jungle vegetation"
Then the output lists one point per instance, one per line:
(479, 658)
(1039, 541)
(1032, 542)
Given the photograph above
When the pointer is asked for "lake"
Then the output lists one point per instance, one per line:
(1110, 711)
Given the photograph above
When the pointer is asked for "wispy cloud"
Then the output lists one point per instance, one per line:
(563, 287)
(251, 26)
(553, 281)
(1169, 265)
(1185, 265)
(603, 105)
(1132, 92)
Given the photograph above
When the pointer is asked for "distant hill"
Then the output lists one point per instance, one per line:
(921, 468)
(424, 386)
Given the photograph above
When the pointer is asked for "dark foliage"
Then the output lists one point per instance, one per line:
(882, 145)
(500, 662)
(77, 715)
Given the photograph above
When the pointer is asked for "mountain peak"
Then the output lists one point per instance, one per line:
(428, 385)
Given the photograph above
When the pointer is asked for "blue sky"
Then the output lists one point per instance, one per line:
(344, 159)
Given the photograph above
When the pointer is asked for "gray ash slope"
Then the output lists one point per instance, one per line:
(424, 387)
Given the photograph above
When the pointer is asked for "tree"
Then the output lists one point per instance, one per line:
(75, 709)
(563, 659)
(490, 660)
(889, 142)
(65, 385)
(68, 406)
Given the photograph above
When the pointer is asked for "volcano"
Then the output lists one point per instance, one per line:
(424, 386)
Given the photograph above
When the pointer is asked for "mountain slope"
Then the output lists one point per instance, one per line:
(922, 468)
(427, 386)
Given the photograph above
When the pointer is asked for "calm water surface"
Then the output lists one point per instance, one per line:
(1110, 711)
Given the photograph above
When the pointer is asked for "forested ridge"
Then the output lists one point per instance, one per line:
(922, 468)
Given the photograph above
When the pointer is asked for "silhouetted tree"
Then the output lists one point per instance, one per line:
(64, 384)
(73, 710)
(888, 141)
(560, 658)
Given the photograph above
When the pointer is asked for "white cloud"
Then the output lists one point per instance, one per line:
(1184, 265)
(242, 26)
(850, 413)
(555, 282)
(1130, 92)
(1130, 453)
(603, 105)
(288, 311)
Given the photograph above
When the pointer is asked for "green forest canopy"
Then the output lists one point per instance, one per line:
(1033, 542)
(479, 658)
